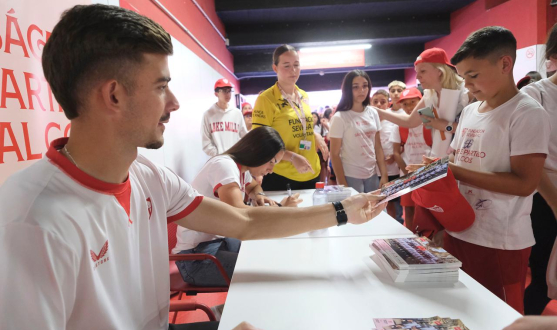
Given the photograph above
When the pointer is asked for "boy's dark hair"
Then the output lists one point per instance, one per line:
(97, 42)
(257, 147)
(281, 50)
(551, 43)
(489, 42)
(347, 99)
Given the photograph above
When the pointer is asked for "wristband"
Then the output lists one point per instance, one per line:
(342, 218)
(261, 194)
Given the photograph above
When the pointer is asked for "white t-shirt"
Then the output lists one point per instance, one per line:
(80, 253)
(357, 131)
(387, 128)
(545, 92)
(221, 129)
(415, 146)
(486, 142)
(217, 172)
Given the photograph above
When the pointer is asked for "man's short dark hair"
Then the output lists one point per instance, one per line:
(97, 42)
(490, 42)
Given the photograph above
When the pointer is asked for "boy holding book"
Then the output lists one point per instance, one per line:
(500, 148)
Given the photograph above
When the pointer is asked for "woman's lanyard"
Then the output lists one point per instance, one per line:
(296, 106)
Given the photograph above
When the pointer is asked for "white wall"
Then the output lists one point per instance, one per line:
(193, 83)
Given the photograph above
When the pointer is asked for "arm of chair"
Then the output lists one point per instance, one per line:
(201, 256)
(180, 306)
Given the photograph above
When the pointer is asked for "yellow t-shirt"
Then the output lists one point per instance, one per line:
(271, 109)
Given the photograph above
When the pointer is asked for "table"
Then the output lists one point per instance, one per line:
(332, 283)
(380, 225)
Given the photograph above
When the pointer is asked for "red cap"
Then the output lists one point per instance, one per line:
(433, 55)
(247, 112)
(445, 202)
(221, 83)
(410, 93)
(319, 185)
(523, 82)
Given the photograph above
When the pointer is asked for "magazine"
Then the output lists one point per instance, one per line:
(417, 179)
(432, 323)
(414, 253)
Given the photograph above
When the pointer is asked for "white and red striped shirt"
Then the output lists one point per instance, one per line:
(80, 253)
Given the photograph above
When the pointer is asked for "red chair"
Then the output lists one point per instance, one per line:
(177, 284)
(183, 306)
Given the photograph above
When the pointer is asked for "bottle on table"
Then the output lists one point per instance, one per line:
(319, 195)
(319, 198)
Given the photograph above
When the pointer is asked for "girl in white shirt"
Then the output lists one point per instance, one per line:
(355, 136)
(229, 177)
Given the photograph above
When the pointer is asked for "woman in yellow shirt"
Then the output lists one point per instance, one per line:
(285, 108)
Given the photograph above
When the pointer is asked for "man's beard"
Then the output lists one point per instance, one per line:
(155, 144)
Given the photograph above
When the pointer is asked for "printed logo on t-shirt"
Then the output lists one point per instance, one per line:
(100, 258)
(149, 207)
(466, 154)
(227, 126)
(436, 209)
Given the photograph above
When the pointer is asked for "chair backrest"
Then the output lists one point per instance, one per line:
(172, 240)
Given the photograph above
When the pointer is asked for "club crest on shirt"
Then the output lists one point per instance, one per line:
(149, 207)
(100, 258)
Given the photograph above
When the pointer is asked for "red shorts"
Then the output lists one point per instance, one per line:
(406, 200)
(503, 272)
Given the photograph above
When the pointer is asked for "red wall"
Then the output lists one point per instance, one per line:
(190, 16)
(528, 20)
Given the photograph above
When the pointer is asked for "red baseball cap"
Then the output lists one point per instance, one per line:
(523, 82)
(445, 202)
(410, 93)
(221, 83)
(246, 112)
(433, 55)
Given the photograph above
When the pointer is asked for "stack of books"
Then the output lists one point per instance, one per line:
(415, 259)
(432, 323)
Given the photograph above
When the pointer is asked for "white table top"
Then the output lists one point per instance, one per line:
(332, 283)
(383, 224)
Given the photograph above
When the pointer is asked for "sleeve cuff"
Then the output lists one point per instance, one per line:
(185, 212)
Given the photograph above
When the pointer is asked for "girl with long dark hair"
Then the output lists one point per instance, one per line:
(355, 136)
(228, 177)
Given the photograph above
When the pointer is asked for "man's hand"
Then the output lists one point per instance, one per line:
(291, 201)
(245, 326)
(301, 164)
(363, 207)
(534, 322)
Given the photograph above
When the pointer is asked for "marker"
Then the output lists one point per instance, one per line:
(288, 190)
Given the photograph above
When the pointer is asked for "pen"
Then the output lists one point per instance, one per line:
(288, 190)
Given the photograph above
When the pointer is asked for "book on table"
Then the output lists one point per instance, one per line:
(430, 323)
(415, 259)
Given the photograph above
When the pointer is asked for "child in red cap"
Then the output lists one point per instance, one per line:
(414, 142)
(500, 149)
(247, 111)
(444, 91)
(222, 124)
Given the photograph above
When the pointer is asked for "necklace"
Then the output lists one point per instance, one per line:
(70, 156)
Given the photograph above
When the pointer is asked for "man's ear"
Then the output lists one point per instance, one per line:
(114, 95)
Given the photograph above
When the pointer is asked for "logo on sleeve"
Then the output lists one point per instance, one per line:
(100, 258)
(149, 207)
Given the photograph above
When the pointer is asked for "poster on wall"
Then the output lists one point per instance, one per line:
(30, 117)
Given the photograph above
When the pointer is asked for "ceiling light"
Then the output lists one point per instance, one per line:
(330, 48)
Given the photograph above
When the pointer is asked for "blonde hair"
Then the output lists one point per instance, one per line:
(449, 78)
(396, 83)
